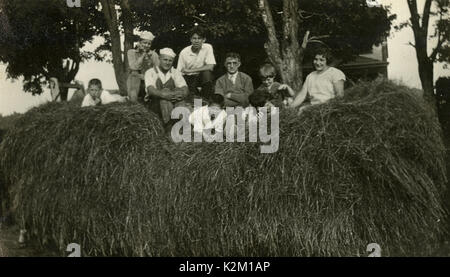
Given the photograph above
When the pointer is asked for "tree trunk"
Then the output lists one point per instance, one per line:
(128, 27)
(291, 70)
(64, 93)
(425, 62)
(426, 78)
(109, 11)
(286, 56)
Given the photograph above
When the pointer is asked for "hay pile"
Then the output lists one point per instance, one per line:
(366, 168)
(76, 170)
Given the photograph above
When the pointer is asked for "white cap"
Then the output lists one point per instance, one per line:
(168, 52)
(146, 35)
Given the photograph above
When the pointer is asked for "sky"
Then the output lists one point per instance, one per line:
(402, 67)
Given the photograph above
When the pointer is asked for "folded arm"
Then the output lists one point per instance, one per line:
(242, 97)
(167, 94)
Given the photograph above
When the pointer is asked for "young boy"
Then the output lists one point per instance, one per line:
(281, 94)
(96, 95)
(211, 116)
(197, 62)
(140, 60)
(234, 86)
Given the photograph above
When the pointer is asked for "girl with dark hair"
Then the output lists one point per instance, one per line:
(323, 84)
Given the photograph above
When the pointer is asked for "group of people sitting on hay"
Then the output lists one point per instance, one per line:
(154, 80)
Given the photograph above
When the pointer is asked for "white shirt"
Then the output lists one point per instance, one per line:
(190, 60)
(105, 98)
(201, 119)
(152, 75)
(320, 86)
(232, 77)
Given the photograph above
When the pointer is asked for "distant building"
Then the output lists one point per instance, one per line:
(367, 66)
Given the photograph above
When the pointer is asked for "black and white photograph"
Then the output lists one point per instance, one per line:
(256, 129)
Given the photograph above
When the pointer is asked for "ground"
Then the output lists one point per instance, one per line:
(9, 235)
(10, 246)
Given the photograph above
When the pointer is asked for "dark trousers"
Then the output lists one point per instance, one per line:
(204, 80)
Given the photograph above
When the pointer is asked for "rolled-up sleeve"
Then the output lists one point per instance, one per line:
(178, 79)
(338, 75)
(150, 78)
(210, 59)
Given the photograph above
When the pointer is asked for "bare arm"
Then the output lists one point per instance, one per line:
(300, 97)
(288, 88)
(339, 88)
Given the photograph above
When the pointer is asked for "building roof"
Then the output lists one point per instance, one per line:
(358, 62)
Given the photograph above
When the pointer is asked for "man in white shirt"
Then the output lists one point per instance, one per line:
(165, 86)
(96, 95)
(196, 62)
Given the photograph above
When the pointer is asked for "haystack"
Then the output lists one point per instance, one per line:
(368, 168)
(73, 172)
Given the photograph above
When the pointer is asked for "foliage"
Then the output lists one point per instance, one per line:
(40, 39)
(357, 31)
(437, 10)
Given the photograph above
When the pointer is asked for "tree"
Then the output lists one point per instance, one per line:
(280, 30)
(284, 29)
(347, 27)
(40, 39)
(118, 19)
(441, 52)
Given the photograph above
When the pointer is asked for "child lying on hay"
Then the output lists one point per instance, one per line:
(97, 95)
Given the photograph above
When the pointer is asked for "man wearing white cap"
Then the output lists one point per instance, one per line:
(139, 61)
(165, 86)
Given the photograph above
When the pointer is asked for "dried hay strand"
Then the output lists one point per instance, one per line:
(365, 168)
